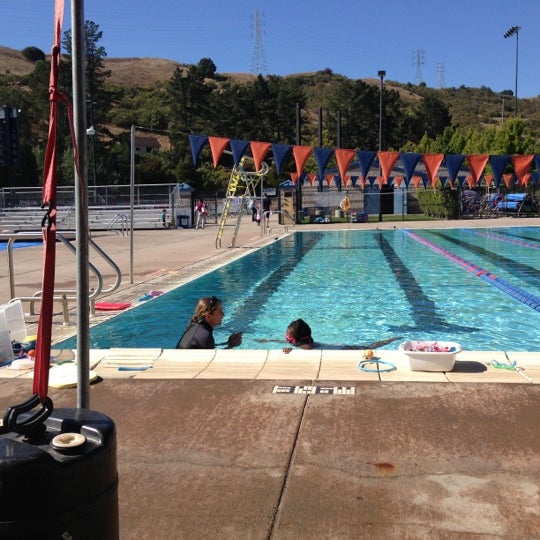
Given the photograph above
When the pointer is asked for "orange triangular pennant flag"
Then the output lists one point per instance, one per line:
(387, 161)
(380, 181)
(525, 179)
(294, 177)
(362, 181)
(312, 178)
(343, 158)
(477, 163)
(434, 182)
(329, 178)
(521, 165)
(217, 145)
(258, 151)
(398, 180)
(508, 179)
(470, 181)
(346, 180)
(432, 163)
(301, 153)
(488, 178)
(416, 181)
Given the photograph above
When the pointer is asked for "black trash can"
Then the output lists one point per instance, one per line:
(61, 481)
(182, 221)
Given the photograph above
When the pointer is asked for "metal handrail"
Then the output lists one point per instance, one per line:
(66, 295)
(123, 219)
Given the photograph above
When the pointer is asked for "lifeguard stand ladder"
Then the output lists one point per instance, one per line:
(242, 184)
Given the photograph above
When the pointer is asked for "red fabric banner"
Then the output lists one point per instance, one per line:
(301, 153)
(312, 178)
(362, 181)
(329, 179)
(43, 344)
(416, 181)
(217, 145)
(294, 177)
(381, 180)
(522, 165)
(387, 161)
(398, 180)
(488, 179)
(470, 181)
(477, 164)
(346, 180)
(343, 158)
(432, 163)
(259, 151)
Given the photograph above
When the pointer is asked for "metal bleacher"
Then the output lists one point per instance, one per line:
(117, 219)
(110, 207)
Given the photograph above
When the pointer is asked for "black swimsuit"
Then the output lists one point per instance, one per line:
(198, 335)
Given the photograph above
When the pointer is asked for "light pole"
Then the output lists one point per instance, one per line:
(510, 32)
(381, 73)
(503, 97)
(91, 132)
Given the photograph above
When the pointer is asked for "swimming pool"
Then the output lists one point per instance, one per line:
(19, 244)
(356, 287)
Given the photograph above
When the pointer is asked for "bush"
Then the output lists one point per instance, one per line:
(33, 54)
(439, 203)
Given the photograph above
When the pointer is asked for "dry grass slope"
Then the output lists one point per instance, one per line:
(12, 61)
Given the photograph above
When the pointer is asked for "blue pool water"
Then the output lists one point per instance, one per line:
(357, 287)
(19, 245)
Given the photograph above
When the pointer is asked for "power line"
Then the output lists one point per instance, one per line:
(419, 59)
(258, 59)
(440, 71)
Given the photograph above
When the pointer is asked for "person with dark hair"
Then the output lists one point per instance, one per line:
(199, 333)
(201, 211)
(298, 334)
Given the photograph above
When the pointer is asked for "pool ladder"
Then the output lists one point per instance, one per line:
(61, 295)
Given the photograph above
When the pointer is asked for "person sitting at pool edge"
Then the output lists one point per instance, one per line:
(199, 333)
(299, 334)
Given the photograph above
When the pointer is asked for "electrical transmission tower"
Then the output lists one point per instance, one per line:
(419, 58)
(258, 60)
(440, 71)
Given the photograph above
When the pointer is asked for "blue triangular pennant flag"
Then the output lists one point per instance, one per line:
(365, 159)
(498, 165)
(197, 142)
(281, 151)
(453, 163)
(238, 147)
(409, 160)
(322, 155)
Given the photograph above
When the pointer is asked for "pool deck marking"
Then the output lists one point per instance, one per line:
(324, 390)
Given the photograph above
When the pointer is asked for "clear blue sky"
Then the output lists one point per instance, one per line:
(459, 42)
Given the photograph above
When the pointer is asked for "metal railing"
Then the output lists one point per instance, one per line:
(60, 295)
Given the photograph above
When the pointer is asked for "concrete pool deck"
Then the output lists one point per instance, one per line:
(232, 444)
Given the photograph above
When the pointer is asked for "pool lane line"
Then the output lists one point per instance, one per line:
(524, 272)
(515, 292)
(423, 309)
(502, 238)
(522, 235)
